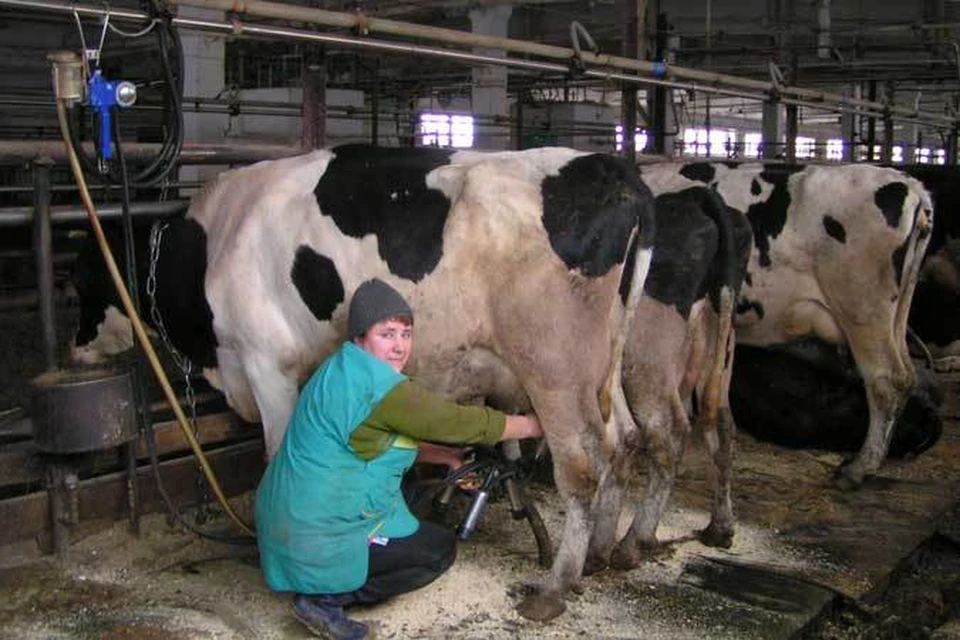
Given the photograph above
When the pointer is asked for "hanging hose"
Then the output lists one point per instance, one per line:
(132, 287)
(138, 328)
(171, 63)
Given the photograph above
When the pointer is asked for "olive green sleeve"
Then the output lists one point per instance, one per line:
(411, 410)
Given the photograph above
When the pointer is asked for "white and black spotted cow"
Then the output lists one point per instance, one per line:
(836, 255)
(679, 350)
(511, 261)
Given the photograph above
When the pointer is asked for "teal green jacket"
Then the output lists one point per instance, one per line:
(316, 514)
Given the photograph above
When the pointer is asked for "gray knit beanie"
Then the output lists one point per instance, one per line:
(373, 301)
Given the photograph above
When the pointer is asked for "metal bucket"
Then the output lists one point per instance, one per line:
(77, 411)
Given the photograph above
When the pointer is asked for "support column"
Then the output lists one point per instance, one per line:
(314, 107)
(951, 150)
(886, 152)
(770, 140)
(660, 138)
(791, 132)
(43, 252)
(848, 125)
(871, 123)
(635, 48)
(489, 92)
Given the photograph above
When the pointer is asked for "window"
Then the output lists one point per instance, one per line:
(751, 144)
(835, 149)
(939, 156)
(805, 147)
(639, 139)
(922, 155)
(445, 130)
(723, 142)
(897, 155)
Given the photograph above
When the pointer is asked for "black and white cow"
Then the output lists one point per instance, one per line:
(511, 261)
(935, 313)
(680, 348)
(837, 250)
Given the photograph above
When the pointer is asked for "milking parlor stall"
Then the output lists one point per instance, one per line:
(127, 479)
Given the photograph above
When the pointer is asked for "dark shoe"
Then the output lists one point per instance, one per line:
(326, 619)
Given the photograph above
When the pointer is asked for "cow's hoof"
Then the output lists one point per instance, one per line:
(594, 565)
(625, 558)
(845, 480)
(717, 537)
(541, 605)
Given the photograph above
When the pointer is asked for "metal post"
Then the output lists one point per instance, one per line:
(848, 121)
(791, 132)
(951, 155)
(871, 123)
(886, 151)
(314, 108)
(43, 250)
(518, 130)
(771, 129)
(375, 114)
(660, 93)
(628, 92)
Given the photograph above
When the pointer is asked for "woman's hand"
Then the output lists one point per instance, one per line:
(522, 427)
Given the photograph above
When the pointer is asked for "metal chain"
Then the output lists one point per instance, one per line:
(183, 362)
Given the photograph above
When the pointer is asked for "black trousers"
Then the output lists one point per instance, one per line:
(404, 564)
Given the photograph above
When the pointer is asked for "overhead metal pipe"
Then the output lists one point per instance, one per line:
(711, 82)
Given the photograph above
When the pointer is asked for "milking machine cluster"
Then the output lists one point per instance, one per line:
(491, 473)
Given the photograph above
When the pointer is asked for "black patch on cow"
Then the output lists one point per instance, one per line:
(809, 394)
(383, 191)
(935, 306)
(686, 244)
(899, 255)
(731, 164)
(889, 198)
(700, 171)
(748, 278)
(768, 218)
(745, 305)
(317, 282)
(95, 290)
(755, 188)
(835, 229)
(181, 295)
(589, 210)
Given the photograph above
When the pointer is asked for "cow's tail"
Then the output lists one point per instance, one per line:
(728, 267)
(613, 403)
(915, 249)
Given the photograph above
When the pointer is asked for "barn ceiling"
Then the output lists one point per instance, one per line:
(908, 50)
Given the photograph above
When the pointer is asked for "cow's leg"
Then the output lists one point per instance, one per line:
(607, 506)
(719, 533)
(276, 396)
(887, 379)
(886, 396)
(665, 431)
(717, 427)
(578, 466)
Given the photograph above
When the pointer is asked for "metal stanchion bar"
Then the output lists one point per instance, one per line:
(20, 216)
